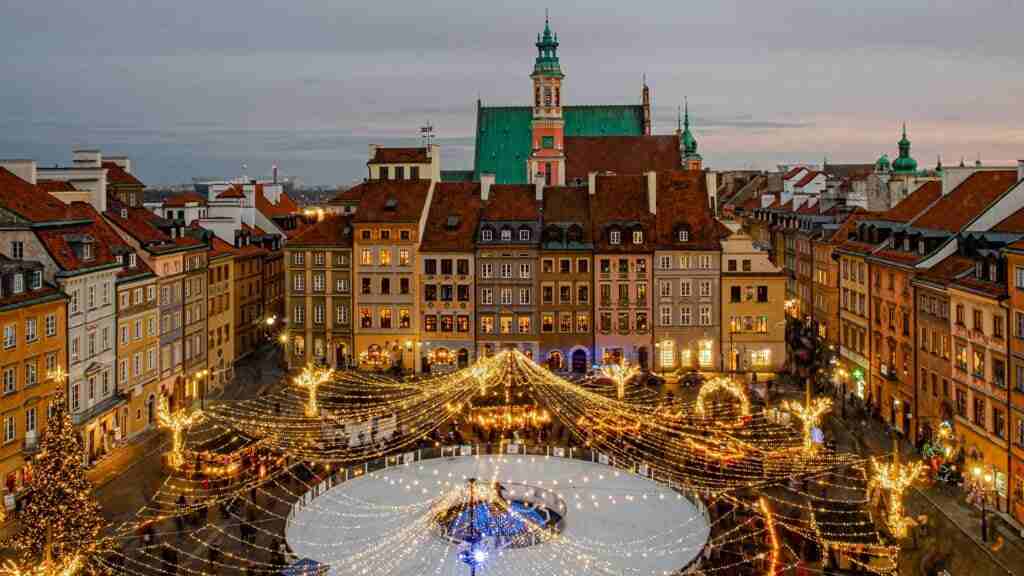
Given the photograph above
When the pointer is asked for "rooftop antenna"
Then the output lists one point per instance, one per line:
(427, 134)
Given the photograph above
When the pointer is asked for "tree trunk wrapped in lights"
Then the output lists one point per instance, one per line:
(810, 416)
(61, 521)
(310, 380)
(176, 423)
(620, 374)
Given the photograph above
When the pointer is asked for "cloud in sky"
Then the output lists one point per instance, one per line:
(197, 88)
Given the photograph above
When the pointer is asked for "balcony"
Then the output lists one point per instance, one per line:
(888, 372)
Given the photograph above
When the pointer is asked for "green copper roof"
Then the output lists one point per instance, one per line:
(547, 53)
(687, 140)
(883, 164)
(503, 134)
(905, 163)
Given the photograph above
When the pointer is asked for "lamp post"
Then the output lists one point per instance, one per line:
(984, 480)
(842, 374)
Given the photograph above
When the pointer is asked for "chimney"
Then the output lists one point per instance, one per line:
(711, 178)
(486, 181)
(538, 188)
(24, 169)
(275, 173)
(122, 161)
(652, 191)
(592, 183)
(373, 150)
(87, 158)
(1020, 170)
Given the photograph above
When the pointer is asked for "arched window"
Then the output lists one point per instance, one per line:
(506, 234)
(575, 233)
(487, 234)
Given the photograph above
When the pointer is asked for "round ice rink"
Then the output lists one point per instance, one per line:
(615, 522)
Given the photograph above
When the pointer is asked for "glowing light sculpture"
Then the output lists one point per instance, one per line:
(310, 380)
(620, 374)
(176, 423)
(810, 416)
(731, 387)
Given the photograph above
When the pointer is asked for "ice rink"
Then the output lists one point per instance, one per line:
(615, 522)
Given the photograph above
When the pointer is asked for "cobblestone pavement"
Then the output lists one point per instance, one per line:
(128, 478)
(952, 538)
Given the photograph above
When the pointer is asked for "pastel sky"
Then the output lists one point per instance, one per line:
(197, 88)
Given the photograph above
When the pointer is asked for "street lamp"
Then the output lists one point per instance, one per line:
(842, 374)
(985, 482)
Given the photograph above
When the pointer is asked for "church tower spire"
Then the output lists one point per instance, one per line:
(691, 158)
(547, 158)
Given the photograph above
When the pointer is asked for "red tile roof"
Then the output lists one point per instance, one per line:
(621, 199)
(180, 200)
(121, 177)
(28, 201)
(107, 235)
(947, 270)
(407, 197)
(55, 185)
(809, 207)
(138, 224)
(854, 246)
(58, 244)
(511, 202)
(811, 175)
(234, 191)
(458, 204)
(384, 155)
(284, 207)
(787, 207)
(682, 199)
(333, 230)
(991, 289)
(752, 203)
(842, 234)
(793, 172)
(967, 201)
(1013, 223)
(912, 206)
(898, 257)
(620, 154)
(566, 204)
(348, 196)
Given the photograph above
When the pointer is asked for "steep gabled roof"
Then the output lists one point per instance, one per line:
(28, 201)
(234, 191)
(967, 201)
(384, 155)
(121, 177)
(914, 204)
(391, 200)
(511, 202)
(333, 230)
(105, 234)
(1014, 223)
(948, 270)
(454, 214)
(682, 200)
(55, 185)
(620, 154)
(807, 179)
(621, 199)
(793, 172)
(180, 200)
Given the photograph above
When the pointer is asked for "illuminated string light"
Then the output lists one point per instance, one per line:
(810, 417)
(176, 422)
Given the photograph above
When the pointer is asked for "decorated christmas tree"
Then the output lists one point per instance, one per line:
(61, 521)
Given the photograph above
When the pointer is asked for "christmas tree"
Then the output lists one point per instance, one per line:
(61, 520)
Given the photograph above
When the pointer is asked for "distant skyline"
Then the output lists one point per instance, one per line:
(197, 89)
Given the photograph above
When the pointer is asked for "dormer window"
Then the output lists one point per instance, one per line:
(993, 271)
(638, 236)
(452, 223)
(124, 213)
(19, 283)
(506, 235)
(131, 260)
(391, 204)
(86, 251)
(979, 270)
(487, 235)
(37, 279)
(906, 244)
(615, 237)
(920, 247)
(684, 235)
(524, 234)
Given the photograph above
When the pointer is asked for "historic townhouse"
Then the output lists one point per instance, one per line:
(319, 298)
(195, 335)
(825, 290)
(66, 241)
(978, 327)
(854, 317)
(273, 290)
(566, 280)
(622, 214)
(447, 267)
(1015, 273)
(388, 225)
(220, 319)
(164, 248)
(753, 290)
(138, 341)
(33, 316)
(686, 299)
(936, 391)
(506, 275)
(247, 305)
